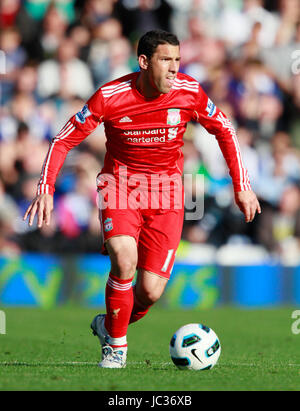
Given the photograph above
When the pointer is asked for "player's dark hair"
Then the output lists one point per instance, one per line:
(150, 40)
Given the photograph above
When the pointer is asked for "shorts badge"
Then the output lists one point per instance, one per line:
(108, 225)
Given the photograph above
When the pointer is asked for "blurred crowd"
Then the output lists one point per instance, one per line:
(245, 54)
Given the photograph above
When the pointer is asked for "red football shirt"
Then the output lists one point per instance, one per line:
(145, 135)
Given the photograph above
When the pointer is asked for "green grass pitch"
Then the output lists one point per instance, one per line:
(55, 350)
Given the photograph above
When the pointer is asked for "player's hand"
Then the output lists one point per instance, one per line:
(248, 204)
(42, 205)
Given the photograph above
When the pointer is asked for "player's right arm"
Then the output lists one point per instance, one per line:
(75, 130)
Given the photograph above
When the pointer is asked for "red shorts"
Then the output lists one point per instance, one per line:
(157, 234)
(154, 217)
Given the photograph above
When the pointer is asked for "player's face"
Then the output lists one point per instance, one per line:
(163, 67)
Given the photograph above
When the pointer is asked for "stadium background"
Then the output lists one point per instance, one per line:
(246, 56)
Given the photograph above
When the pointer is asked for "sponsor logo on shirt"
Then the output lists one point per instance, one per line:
(210, 108)
(154, 131)
(173, 116)
(83, 114)
(158, 135)
(172, 133)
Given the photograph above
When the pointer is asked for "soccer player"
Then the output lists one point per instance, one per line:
(145, 116)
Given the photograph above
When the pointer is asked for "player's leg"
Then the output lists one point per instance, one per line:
(120, 230)
(119, 294)
(111, 328)
(148, 289)
(158, 242)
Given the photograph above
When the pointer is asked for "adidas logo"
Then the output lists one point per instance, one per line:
(125, 120)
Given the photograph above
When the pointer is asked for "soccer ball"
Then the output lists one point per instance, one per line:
(195, 347)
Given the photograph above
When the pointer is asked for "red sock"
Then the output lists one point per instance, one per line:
(139, 310)
(119, 303)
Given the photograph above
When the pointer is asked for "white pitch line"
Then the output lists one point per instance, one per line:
(257, 365)
(64, 363)
(41, 364)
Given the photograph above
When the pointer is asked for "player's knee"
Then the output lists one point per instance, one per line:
(148, 296)
(124, 265)
(123, 256)
(127, 268)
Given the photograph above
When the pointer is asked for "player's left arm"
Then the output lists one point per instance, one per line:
(216, 122)
(247, 203)
(78, 127)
